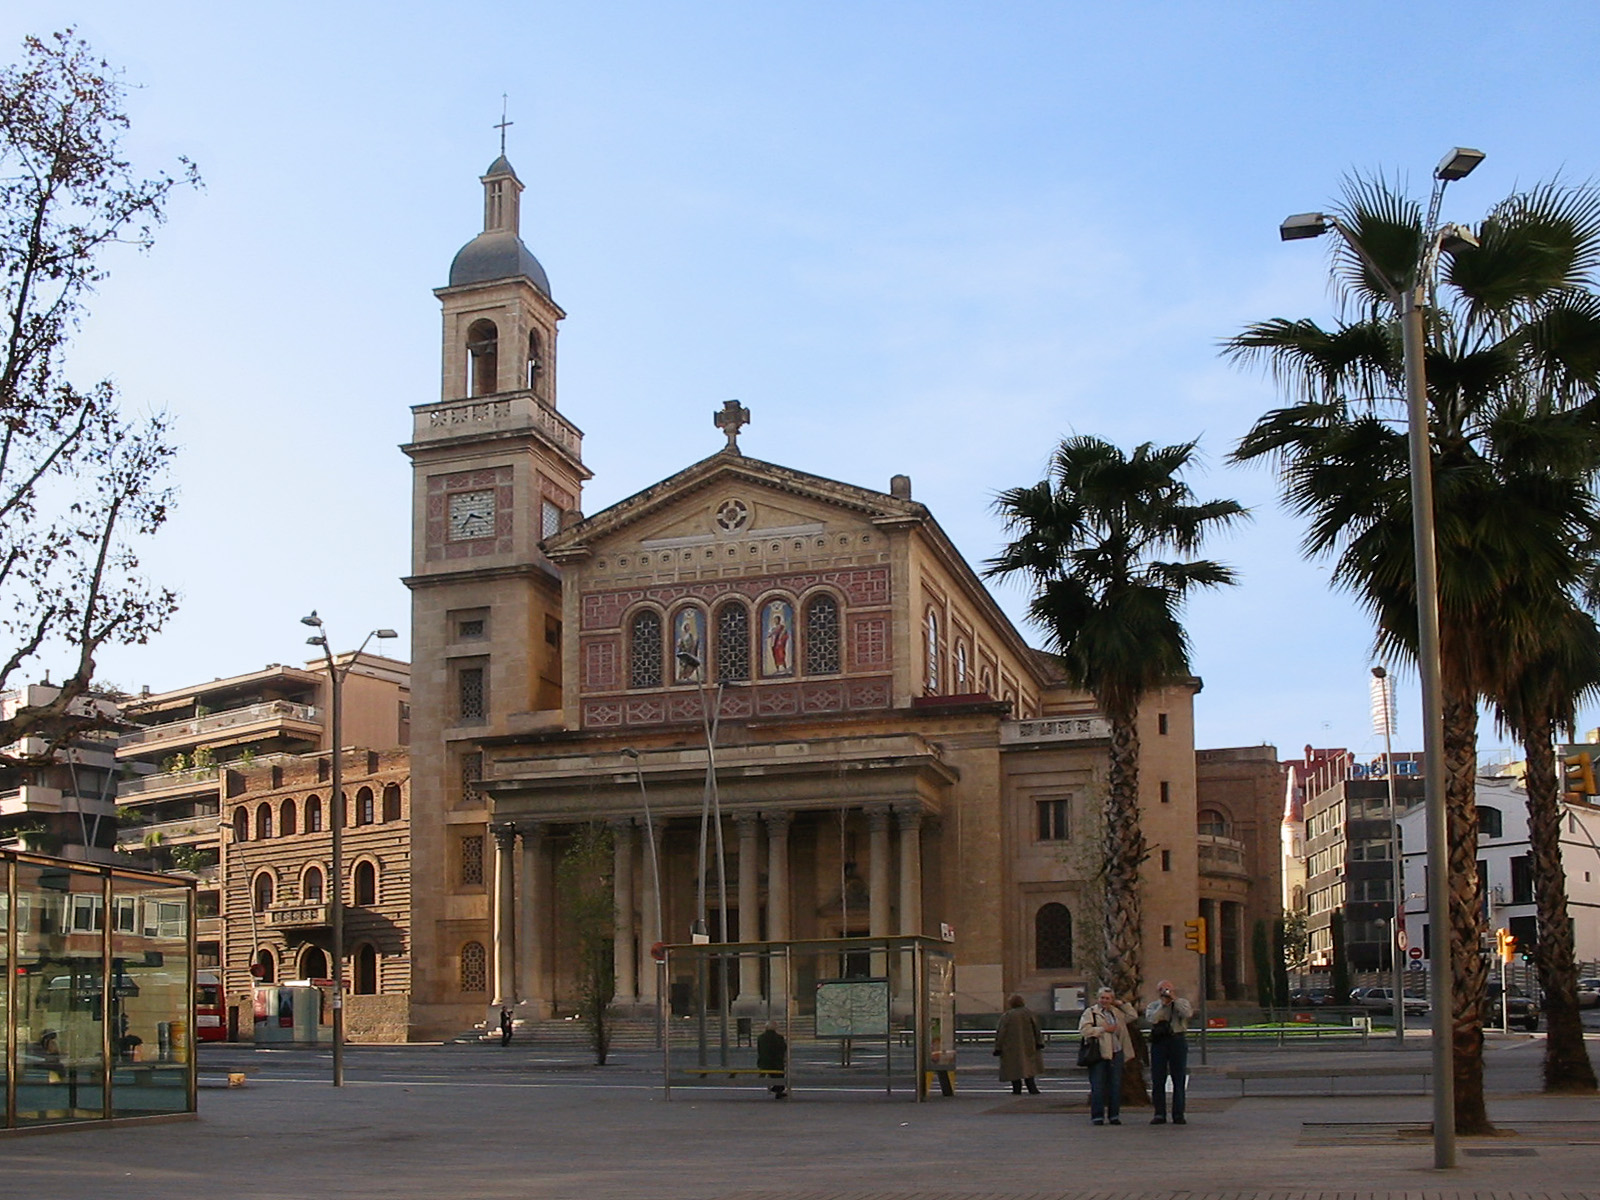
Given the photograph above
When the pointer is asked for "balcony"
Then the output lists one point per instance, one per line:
(1088, 728)
(163, 783)
(301, 915)
(30, 798)
(506, 412)
(1222, 856)
(195, 830)
(275, 718)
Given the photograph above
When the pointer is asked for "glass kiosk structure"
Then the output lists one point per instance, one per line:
(98, 1000)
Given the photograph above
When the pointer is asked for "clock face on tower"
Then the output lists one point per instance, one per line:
(471, 515)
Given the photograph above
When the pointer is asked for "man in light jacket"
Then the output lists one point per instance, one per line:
(1168, 1017)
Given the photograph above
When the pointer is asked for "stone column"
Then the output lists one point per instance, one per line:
(747, 823)
(878, 870)
(778, 929)
(650, 928)
(622, 885)
(533, 887)
(505, 918)
(909, 818)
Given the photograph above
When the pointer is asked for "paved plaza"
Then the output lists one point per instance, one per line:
(478, 1121)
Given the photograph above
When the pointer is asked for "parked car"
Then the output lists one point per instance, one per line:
(1308, 998)
(1588, 993)
(1381, 1000)
(1523, 1009)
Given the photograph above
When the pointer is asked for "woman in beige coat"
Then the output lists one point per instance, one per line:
(1017, 1042)
(1107, 1019)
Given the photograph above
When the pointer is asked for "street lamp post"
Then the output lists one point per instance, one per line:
(1410, 298)
(1383, 713)
(336, 678)
(711, 810)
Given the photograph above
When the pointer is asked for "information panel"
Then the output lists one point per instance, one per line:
(853, 1008)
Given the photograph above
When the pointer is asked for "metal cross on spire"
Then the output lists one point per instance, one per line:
(732, 417)
(503, 124)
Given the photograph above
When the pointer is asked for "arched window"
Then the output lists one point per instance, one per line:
(931, 634)
(286, 822)
(268, 962)
(366, 969)
(483, 358)
(822, 636)
(535, 362)
(1490, 822)
(311, 886)
(645, 650)
(262, 891)
(263, 822)
(474, 968)
(313, 963)
(365, 814)
(366, 882)
(986, 682)
(241, 824)
(313, 814)
(688, 645)
(1052, 938)
(391, 802)
(733, 641)
(961, 668)
(1212, 822)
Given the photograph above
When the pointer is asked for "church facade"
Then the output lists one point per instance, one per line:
(891, 757)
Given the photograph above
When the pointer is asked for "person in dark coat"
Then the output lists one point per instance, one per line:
(1017, 1043)
(772, 1058)
(505, 1026)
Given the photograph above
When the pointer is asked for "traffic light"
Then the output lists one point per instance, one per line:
(1506, 944)
(1577, 775)
(1194, 935)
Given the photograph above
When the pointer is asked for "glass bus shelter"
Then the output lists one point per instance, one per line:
(869, 1015)
(99, 992)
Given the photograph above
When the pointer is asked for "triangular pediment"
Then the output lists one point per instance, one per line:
(727, 495)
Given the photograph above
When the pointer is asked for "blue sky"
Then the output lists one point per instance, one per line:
(928, 238)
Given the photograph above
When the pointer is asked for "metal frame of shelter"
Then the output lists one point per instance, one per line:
(851, 1010)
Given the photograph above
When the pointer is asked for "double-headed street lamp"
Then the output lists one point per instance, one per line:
(336, 677)
(1411, 298)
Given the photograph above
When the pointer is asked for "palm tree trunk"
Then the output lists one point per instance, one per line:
(1566, 1061)
(1467, 969)
(1124, 858)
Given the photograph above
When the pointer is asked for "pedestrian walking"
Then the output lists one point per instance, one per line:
(1017, 1043)
(1107, 1021)
(505, 1026)
(1168, 1016)
(772, 1057)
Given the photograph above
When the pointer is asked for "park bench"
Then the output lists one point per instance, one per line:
(1332, 1072)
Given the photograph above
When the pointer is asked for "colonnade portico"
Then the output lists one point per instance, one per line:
(521, 924)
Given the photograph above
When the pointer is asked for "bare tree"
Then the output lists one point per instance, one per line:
(80, 481)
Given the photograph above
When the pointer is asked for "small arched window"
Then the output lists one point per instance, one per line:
(822, 636)
(474, 968)
(931, 634)
(986, 682)
(1052, 937)
(1490, 822)
(313, 814)
(1211, 822)
(733, 641)
(365, 814)
(268, 962)
(263, 822)
(366, 884)
(241, 824)
(366, 970)
(311, 885)
(262, 891)
(483, 358)
(391, 802)
(313, 963)
(961, 667)
(644, 650)
(286, 815)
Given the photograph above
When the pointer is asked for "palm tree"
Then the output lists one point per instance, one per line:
(1510, 363)
(1558, 661)
(1088, 538)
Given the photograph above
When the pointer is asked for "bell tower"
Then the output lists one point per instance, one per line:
(494, 468)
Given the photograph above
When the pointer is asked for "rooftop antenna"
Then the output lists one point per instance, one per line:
(503, 124)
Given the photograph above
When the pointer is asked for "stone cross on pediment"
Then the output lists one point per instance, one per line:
(732, 417)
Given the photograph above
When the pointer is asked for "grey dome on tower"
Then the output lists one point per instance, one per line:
(498, 252)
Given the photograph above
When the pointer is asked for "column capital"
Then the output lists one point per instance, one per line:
(530, 831)
(505, 835)
(620, 823)
(778, 822)
(745, 821)
(877, 818)
(909, 816)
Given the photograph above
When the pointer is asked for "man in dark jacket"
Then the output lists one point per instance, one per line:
(772, 1056)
